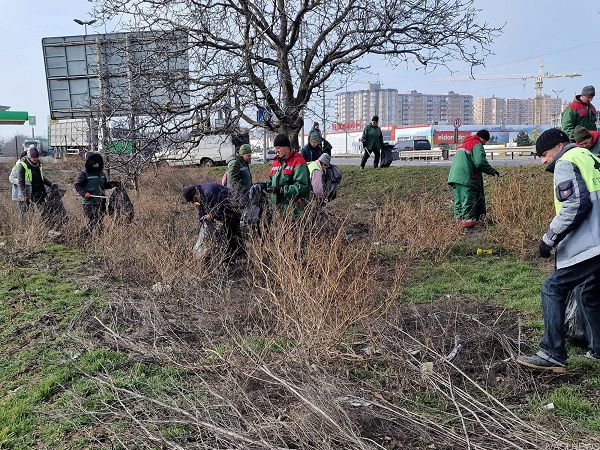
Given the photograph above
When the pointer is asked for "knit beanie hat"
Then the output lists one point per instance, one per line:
(484, 134)
(32, 152)
(282, 140)
(325, 159)
(549, 139)
(588, 91)
(313, 137)
(189, 193)
(245, 149)
(375, 119)
(581, 133)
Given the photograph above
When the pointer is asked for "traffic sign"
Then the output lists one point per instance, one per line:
(457, 122)
(32, 121)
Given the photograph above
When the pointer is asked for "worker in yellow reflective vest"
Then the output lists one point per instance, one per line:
(31, 181)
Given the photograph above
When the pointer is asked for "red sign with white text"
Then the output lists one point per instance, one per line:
(447, 137)
(352, 125)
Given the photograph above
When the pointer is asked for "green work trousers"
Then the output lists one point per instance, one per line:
(469, 202)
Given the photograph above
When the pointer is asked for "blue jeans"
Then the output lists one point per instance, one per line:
(555, 291)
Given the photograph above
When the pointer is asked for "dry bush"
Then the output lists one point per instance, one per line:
(520, 209)
(28, 236)
(421, 228)
(316, 287)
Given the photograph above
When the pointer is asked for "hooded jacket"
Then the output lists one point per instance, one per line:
(93, 180)
(574, 229)
(578, 113)
(33, 188)
(291, 175)
(372, 138)
(239, 177)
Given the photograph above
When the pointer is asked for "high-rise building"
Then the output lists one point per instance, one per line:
(364, 104)
(426, 109)
(514, 111)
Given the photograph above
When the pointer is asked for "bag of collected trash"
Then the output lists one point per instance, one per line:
(386, 156)
(575, 323)
(119, 204)
(53, 211)
(208, 240)
(252, 212)
(327, 147)
(331, 179)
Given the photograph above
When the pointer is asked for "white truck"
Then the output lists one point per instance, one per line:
(207, 150)
(69, 137)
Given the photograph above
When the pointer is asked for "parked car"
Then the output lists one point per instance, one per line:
(257, 156)
(412, 144)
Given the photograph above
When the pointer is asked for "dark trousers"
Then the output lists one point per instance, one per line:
(233, 233)
(94, 213)
(366, 155)
(555, 291)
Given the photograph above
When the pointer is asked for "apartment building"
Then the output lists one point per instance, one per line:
(514, 111)
(413, 108)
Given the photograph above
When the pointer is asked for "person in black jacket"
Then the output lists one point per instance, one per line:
(214, 202)
(91, 184)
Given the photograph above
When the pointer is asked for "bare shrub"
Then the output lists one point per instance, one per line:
(29, 235)
(422, 228)
(318, 288)
(518, 212)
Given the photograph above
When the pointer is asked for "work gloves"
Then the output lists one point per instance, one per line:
(274, 190)
(544, 249)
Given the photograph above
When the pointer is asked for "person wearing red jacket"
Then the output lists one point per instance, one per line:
(580, 112)
(587, 139)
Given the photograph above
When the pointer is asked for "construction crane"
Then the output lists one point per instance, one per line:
(539, 78)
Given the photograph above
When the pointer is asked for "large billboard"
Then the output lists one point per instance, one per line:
(116, 74)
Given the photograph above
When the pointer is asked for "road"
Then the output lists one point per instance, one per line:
(497, 161)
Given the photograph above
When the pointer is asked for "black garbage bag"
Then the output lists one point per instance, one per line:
(387, 156)
(253, 210)
(327, 147)
(576, 327)
(119, 205)
(54, 212)
(331, 179)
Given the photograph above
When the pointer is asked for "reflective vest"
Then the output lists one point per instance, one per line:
(589, 172)
(312, 166)
(28, 174)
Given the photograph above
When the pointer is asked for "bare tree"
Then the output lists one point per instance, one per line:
(276, 54)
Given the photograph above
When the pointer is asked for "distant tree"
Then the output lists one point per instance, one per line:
(522, 139)
(535, 133)
(278, 54)
(10, 148)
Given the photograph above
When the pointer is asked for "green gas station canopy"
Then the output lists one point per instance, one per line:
(13, 117)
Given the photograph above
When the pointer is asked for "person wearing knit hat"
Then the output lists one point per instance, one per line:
(238, 177)
(317, 170)
(31, 181)
(214, 202)
(587, 139)
(372, 141)
(466, 179)
(572, 235)
(289, 181)
(580, 112)
(312, 150)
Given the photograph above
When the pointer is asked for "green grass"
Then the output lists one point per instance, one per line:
(42, 370)
(506, 280)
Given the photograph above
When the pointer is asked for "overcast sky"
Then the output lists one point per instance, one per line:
(563, 32)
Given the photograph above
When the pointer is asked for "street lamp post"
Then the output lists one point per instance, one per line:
(85, 23)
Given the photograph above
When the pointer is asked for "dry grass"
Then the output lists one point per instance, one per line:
(422, 228)
(520, 209)
(318, 288)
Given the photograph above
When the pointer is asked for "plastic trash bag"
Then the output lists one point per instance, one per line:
(575, 323)
(387, 156)
(53, 211)
(119, 204)
(331, 179)
(253, 210)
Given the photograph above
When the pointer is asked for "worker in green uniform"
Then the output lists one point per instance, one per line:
(466, 179)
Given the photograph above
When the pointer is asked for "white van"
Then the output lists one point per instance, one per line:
(207, 151)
